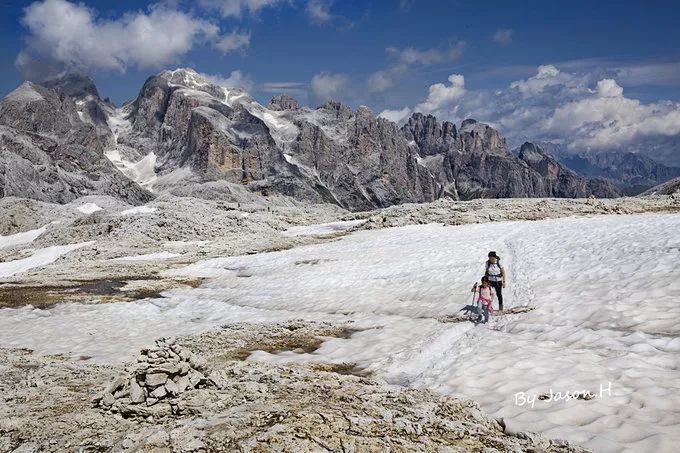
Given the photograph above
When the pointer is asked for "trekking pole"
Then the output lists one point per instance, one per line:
(474, 293)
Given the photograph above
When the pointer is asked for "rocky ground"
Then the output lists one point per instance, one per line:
(200, 393)
(197, 394)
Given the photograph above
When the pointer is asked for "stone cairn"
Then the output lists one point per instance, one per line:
(161, 374)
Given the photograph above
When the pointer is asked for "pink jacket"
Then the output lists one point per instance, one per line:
(486, 295)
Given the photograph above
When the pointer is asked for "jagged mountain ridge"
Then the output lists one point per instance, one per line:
(49, 153)
(183, 134)
(630, 171)
(330, 154)
(474, 161)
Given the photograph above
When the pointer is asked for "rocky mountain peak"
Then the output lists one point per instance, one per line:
(25, 93)
(338, 109)
(34, 108)
(283, 102)
(529, 152)
(184, 76)
(481, 136)
(364, 112)
(430, 136)
(77, 86)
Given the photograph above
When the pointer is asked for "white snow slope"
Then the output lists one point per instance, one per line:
(606, 291)
(41, 257)
(25, 237)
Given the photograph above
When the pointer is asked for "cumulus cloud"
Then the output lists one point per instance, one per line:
(327, 86)
(234, 42)
(547, 76)
(607, 119)
(236, 79)
(396, 116)
(441, 97)
(503, 36)
(71, 35)
(585, 113)
(239, 8)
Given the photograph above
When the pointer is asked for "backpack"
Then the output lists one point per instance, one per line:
(488, 264)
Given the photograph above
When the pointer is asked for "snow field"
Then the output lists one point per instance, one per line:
(607, 318)
(89, 208)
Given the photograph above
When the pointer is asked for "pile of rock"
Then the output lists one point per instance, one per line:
(161, 374)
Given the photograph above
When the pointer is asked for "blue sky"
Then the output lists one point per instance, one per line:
(385, 54)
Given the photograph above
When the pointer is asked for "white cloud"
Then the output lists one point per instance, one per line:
(238, 8)
(236, 79)
(385, 79)
(234, 42)
(319, 11)
(579, 110)
(609, 88)
(609, 120)
(411, 55)
(503, 36)
(547, 76)
(396, 116)
(327, 86)
(441, 96)
(72, 35)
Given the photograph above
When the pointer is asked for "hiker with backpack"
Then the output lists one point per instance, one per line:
(495, 272)
(486, 294)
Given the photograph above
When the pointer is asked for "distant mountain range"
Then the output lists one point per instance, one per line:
(631, 172)
(186, 135)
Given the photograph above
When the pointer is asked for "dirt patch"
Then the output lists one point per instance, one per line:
(341, 368)
(105, 290)
(299, 343)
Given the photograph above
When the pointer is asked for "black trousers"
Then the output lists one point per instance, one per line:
(498, 286)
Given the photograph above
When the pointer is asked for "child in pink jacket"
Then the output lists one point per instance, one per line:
(485, 301)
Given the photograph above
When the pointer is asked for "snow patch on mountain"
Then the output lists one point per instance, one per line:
(39, 258)
(89, 208)
(138, 210)
(323, 228)
(21, 238)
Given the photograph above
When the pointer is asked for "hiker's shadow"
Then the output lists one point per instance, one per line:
(470, 310)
